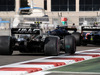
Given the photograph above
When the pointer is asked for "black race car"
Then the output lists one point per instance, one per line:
(32, 40)
(63, 31)
(90, 35)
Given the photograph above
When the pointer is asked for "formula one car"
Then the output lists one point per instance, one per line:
(90, 35)
(63, 31)
(29, 36)
(31, 40)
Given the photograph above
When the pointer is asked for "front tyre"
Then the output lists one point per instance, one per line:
(77, 36)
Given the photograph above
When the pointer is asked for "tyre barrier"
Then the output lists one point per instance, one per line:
(33, 67)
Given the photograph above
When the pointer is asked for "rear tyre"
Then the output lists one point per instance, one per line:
(52, 46)
(5, 45)
(70, 44)
(77, 36)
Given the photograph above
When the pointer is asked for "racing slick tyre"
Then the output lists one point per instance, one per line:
(70, 44)
(77, 36)
(5, 45)
(52, 46)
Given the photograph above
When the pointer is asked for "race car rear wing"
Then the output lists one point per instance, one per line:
(25, 31)
(69, 29)
(90, 28)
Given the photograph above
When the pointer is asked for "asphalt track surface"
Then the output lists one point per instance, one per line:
(19, 57)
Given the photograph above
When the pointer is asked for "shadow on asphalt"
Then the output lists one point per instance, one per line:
(79, 48)
(32, 54)
(91, 45)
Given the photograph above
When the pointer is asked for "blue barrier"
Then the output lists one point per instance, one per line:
(4, 21)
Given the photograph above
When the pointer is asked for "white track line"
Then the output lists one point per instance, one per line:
(73, 72)
(13, 72)
(44, 67)
(39, 73)
(85, 57)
